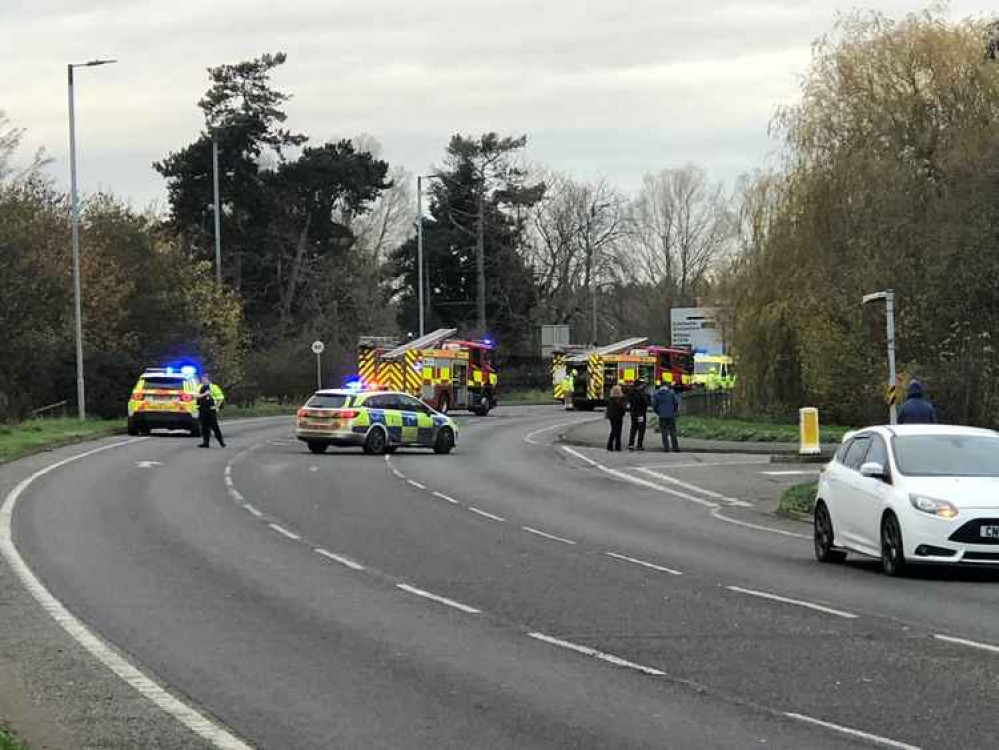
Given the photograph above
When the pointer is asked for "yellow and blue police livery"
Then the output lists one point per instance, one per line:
(165, 398)
(377, 421)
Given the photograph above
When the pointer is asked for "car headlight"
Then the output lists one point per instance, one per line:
(933, 506)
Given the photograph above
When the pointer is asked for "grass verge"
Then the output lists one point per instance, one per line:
(798, 501)
(743, 430)
(9, 742)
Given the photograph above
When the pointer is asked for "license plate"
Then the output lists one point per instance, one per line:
(316, 423)
(989, 531)
(160, 398)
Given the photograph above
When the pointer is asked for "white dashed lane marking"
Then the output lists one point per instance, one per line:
(587, 651)
(546, 535)
(965, 642)
(876, 739)
(644, 564)
(253, 510)
(418, 486)
(484, 514)
(439, 599)
(796, 602)
(442, 496)
(339, 558)
(284, 532)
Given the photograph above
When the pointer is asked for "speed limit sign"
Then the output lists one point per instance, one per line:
(318, 347)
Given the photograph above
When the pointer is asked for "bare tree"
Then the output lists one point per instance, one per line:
(10, 143)
(679, 226)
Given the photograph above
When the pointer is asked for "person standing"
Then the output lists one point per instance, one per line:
(616, 406)
(208, 417)
(568, 388)
(916, 409)
(666, 404)
(638, 405)
(216, 391)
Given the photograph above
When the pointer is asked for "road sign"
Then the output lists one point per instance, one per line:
(318, 347)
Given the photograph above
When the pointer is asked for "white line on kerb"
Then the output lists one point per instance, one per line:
(586, 650)
(442, 496)
(339, 558)
(965, 642)
(694, 487)
(438, 599)
(529, 530)
(228, 470)
(529, 437)
(228, 480)
(236, 495)
(418, 486)
(716, 514)
(284, 532)
(104, 653)
(876, 739)
(796, 472)
(252, 510)
(798, 602)
(637, 480)
(644, 564)
(484, 514)
(398, 474)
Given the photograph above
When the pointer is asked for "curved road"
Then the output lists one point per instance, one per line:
(516, 594)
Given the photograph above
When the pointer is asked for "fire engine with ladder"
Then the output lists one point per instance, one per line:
(594, 371)
(445, 372)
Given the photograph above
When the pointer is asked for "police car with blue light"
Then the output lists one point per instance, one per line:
(165, 398)
(378, 421)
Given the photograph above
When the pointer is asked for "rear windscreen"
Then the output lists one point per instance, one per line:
(164, 382)
(328, 401)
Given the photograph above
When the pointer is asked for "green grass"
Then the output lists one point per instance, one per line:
(744, 430)
(261, 409)
(9, 742)
(24, 438)
(535, 396)
(799, 499)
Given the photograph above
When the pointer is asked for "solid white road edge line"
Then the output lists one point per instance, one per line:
(794, 473)
(253, 510)
(418, 486)
(876, 739)
(966, 642)
(637, 480)
(442, 496)
(695, 488)
(529, 437)
(104, 653)
(797, 602)
(438, 599)
(705, 464)
(717, 514)
(529, 530)
(338, 558)
(484, 514)
(586, 650)
(643, 563)
(284, 532)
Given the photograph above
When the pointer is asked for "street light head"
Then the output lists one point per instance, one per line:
(94, 63)
(874, 297)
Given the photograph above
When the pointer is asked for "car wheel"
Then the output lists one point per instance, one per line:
(445, 441)
(824, 551)
(133, 428)
(443, 403)
(376, 442)
(892, 550)
(317, 447)
(482, 408)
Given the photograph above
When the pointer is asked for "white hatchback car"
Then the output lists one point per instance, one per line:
(911, 494)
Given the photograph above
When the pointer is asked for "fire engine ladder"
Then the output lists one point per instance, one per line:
(615, 348)
(400, 364)
(424, 342)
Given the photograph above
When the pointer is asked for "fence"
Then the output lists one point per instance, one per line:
(701, 403)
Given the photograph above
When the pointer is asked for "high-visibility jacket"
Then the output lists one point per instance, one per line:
(217, 395)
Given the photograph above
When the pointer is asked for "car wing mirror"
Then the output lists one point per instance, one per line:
(874, 470)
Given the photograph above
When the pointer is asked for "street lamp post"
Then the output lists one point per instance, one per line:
(217, 211)
(889, 298)
(74, 219)
(419, 246)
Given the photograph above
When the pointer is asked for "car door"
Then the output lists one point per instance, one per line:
(848, 491)
(426, 425)
(871, 496)
(410, 409)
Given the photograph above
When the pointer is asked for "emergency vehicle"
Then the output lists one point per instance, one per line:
(713, 372)
(166, 398)
(378, 421)
(446, 372)
(593, 372)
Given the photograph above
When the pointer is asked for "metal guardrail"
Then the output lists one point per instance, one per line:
(47, 411)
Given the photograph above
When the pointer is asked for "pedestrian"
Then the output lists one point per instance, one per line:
(208, 416)
(916, 409)
(666, 404)
(616, 406)
(638, 405)
(568, 389)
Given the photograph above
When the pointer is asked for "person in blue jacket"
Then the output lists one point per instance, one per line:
(666, 404)
(916, 409)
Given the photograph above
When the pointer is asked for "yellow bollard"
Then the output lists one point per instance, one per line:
(808, 425)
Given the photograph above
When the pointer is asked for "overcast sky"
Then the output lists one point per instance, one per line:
(602, 89)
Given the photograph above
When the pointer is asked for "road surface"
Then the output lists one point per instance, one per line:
(515, 594)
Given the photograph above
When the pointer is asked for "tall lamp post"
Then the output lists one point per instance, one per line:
(75, 232)
(889, 298)
(217, 210)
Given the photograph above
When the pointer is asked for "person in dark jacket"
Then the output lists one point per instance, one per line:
(666, 404)
(616, 406)
(638, 405)
(208, 416)
(916, 409)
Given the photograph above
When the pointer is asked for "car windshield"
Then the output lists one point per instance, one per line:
(328, 401)
(703, 368)
(948, 455)
(164, 382)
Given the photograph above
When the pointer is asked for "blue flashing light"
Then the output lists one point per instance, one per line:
(169, 371)
(188, 371)
(487, 342)
(354, 385)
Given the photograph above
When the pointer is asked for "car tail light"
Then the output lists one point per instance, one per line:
(186, 397)
(138, 396)
(346, 413)
(301, 413)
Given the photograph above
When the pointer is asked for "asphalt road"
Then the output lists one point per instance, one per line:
(515, 594)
